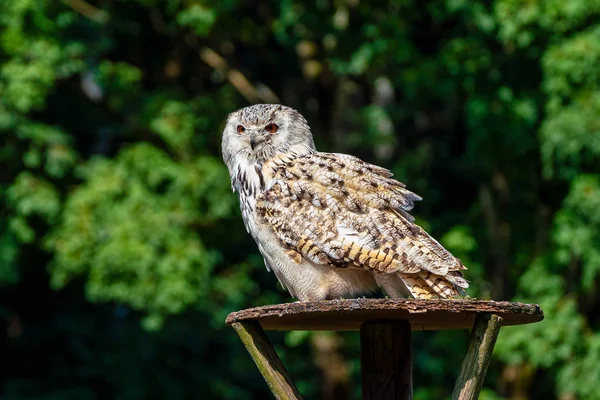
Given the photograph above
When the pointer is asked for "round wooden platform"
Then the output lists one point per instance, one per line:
(349, 314)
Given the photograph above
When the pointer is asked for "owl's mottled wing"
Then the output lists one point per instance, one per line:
(337, 210)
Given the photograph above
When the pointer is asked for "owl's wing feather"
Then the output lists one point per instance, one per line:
(334, 209)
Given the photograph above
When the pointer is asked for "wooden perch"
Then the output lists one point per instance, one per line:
(350, 314)
(385, 327)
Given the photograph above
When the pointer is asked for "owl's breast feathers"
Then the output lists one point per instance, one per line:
(337, 210)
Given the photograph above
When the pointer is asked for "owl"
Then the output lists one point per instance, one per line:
(329, 225)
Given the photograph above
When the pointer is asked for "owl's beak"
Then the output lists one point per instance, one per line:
(254, 140)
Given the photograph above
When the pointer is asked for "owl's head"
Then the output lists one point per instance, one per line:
(263, 131)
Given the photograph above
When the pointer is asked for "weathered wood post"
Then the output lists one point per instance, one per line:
(266, 359)
(386, 360)
(385, 327)
(479, 352)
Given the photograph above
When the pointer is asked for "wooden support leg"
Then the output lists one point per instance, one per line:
(479, 352)
(267, 360)
(386, 362)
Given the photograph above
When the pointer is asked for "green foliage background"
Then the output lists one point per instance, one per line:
(121, 245)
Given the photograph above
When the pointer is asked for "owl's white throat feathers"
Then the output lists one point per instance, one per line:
(251, 177)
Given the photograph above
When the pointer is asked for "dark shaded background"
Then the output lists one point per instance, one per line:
(121, 245)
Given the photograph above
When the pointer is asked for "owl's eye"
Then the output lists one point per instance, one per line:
(271, 128)
(240, 129)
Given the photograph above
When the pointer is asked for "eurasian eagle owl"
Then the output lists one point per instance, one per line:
(329, 225)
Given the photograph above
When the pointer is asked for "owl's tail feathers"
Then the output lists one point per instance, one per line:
(425, 285)
(417, 286)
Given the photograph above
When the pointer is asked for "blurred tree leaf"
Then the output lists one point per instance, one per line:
(154, 261)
